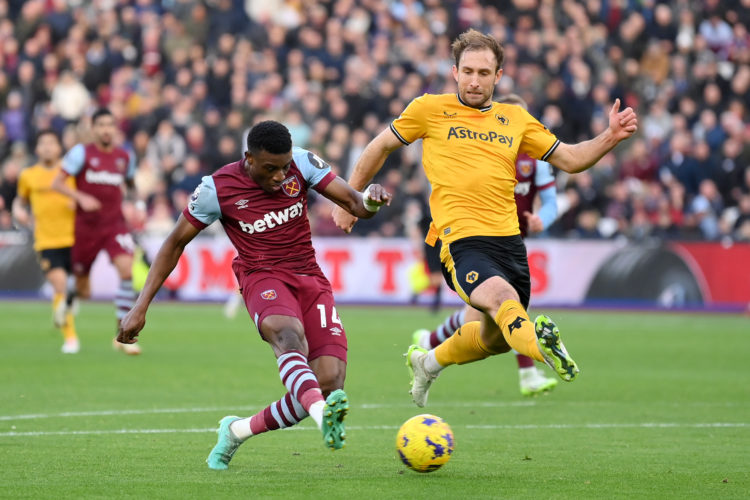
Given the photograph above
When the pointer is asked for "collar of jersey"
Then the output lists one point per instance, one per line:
(486, 108)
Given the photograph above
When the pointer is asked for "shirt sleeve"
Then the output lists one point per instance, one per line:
(74, 159)
(538, 141)
(23, 189)
(548, 211)
(130, 174)
(314, 169)
(203, 207)
(543, 177)
(412, 123)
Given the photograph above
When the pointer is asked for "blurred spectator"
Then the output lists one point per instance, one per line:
(186, 78)
(706, 208)
(69, 99)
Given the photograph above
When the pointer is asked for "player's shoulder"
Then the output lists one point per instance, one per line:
(436, 99)
(31, 170)
(305, 159)
(229, 170)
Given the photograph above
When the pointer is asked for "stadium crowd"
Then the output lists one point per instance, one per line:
(186, 78)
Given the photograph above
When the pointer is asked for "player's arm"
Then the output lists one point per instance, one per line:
(20, 208)
(72, 164)
(547, 213)
(574, 158)
(368, 164)
(164, 263)
(363, 205)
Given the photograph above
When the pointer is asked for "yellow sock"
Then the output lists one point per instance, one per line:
(518, 329)
(56, 299)
(464, 346)
(69, 329)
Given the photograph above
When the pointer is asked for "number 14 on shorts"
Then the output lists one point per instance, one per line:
(334, 318)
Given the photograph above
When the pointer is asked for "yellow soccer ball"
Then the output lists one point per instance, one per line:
(425, 443)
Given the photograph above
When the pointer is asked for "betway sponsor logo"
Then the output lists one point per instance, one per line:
(523, 188)
(272, 219)
(491, 136)
(103, 177)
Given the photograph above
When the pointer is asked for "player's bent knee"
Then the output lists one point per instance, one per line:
(330, 372)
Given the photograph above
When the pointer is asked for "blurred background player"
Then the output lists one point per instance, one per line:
(101, 171)
(261, 201)
(532, 177)
(53, 215)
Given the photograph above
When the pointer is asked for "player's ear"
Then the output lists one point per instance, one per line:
(248, 158)
(455, 73)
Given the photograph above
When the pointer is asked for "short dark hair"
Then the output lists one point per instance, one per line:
(472, 39)
(269, 136)
(99, 113)
(47, 131)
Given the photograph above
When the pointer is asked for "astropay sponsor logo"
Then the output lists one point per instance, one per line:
(491, 136)
(273, 219)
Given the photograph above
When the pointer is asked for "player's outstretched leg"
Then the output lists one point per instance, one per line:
(334, 412)
(553, 350)
(225, 447)
(421, 380)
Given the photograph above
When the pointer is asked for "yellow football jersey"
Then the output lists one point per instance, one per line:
(54, 213)
(469, 157)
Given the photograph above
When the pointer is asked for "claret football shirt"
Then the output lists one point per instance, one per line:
(269, 230)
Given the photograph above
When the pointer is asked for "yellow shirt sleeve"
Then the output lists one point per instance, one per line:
(538, 141)
(411, 124)
(24, 190)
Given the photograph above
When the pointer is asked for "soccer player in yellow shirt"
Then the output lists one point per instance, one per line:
(470, 145)
(52, 216)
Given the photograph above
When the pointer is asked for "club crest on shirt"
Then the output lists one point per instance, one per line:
(269, 294)
(524, 167)
(94, 162)
(120, 162)
(502, 119)
(291, 186)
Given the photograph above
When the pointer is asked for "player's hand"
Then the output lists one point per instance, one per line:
(377, 195)
(343, 219)
(130, 327)
(534, 223)
(623, 123)
(88, 203)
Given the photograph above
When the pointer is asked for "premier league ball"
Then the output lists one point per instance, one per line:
(424, 443)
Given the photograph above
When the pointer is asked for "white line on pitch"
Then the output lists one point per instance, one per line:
(593, 426)
(150, 411)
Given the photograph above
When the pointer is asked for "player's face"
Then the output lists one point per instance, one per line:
(104, 130)
(267, 169)
(476, 77)
(48, 149)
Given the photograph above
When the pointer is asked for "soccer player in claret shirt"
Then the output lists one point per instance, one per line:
(53, 227)
(261, 201)
(532, 177)
(101, 170)
(470, 145)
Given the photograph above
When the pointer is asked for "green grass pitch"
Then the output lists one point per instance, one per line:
(661, 409)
